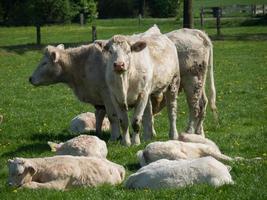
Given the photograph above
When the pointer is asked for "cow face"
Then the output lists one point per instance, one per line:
(120, 50)
(20, 172)
(49, 70)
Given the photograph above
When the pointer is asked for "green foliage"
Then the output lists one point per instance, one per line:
(163, 8)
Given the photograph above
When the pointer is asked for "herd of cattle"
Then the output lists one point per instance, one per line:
(145, 72)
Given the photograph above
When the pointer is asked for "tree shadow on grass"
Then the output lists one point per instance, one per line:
(23, 48)
(34, 148)
(132, 167)
(240, 37)
(64, 136)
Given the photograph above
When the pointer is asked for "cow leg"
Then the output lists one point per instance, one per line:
(191, 89)
(58, 184)
(148, 122)
(124, 121)
(99, 116)
(113, 118)
(171, 101)
(137, 116)
(202, 112)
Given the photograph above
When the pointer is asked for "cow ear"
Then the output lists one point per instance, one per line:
(55, 56)
(30, 167)
(100, 43)
(53, 53)
(61, 46)
(138, 46)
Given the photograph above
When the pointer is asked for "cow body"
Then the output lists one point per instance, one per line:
(176, 150)
(86, 122)
(174, 174)
(83, 70)
(136, 70)
(195, 52)
(62, 172)
(83, 145)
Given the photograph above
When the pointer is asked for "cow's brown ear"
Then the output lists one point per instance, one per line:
(101, 43)
(30, 167)
(138, 46)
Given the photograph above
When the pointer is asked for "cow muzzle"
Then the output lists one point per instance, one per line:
(119, 67)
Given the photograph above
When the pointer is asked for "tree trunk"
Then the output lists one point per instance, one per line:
(188, 14)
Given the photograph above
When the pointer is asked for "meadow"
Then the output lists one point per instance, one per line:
(33, 116)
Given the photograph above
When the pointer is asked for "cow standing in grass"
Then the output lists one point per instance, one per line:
(137, 70)
(83, 70)
(195, 52)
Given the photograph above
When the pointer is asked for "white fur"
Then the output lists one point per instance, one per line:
(83, 145)
(62, 172)
(174, 174)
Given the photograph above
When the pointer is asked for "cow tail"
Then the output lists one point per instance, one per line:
(212, 96)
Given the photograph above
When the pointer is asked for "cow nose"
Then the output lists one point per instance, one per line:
(119, 66)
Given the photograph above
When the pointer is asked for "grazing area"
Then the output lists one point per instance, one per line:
(33, 116)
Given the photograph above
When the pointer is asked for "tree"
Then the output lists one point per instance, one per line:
(188, 14)
(163, 8)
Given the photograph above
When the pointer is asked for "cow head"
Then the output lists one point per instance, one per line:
(21, 171)
(49, 69)
(120, 49)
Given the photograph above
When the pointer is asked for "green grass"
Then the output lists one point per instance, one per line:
(33, 116)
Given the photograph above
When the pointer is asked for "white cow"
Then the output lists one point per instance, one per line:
(83, 145)
(180, 173)
(63, 172)
(137, 70)
(86, 122)
(176, 150)
(195, 52)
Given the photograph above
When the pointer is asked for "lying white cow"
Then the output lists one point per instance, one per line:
(86, 122)
(173, 174)
(136, 70)
(83, 145)
(62, 172)
(195, 146)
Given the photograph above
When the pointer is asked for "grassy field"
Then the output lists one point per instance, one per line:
(33, 116)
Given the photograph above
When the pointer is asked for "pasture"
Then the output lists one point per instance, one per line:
(33, 116)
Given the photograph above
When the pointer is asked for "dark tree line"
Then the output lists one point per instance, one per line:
(30, 12)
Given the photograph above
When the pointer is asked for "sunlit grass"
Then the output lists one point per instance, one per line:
(32, 116)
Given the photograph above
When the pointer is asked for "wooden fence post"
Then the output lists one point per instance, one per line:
(94, 34)
(202, 17)
(218, 20)
(38, 34)
(81, 19)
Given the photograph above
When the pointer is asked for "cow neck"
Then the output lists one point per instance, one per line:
(74, 65)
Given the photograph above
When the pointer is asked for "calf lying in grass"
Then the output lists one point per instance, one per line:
(86, 122)
(62, 172)
(83, 145)
(173, 174)
(191, 146)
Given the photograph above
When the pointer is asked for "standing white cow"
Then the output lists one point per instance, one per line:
(135, 71)
(195, 52)
(83, 70)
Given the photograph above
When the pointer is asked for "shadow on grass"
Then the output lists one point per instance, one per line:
(23, 48)
(36, 148)
(64, 136)
(132, 167)
(241, 37)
